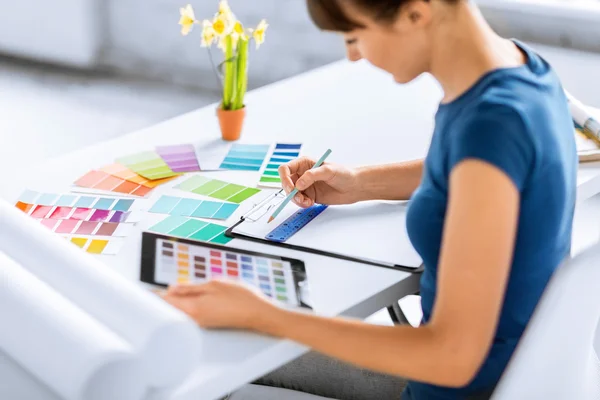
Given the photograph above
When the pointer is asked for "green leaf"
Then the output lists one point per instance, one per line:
(242, 74)
(230, 74)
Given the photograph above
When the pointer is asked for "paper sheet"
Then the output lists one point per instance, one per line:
(374, 231)
(167, 342)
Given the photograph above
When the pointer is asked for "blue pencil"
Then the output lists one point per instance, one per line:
(295, 191)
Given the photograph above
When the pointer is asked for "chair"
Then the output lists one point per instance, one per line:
(555, 358)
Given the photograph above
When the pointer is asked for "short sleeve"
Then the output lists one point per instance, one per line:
(498, 135)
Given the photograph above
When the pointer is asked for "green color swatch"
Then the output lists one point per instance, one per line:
(218, 189)
(191, 229)
(147, 164)
(270, 180)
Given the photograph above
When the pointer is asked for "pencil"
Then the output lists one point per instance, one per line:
(295, 191)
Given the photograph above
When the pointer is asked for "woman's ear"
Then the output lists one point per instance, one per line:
(415, 14)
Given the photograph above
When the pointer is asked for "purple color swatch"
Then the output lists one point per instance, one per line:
(100, 215)
(180, 158)
(119, 216)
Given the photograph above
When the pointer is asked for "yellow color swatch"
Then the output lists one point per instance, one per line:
(97, 246)
(80, 242)
(182, 247)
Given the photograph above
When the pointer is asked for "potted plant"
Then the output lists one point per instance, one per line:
(229, 35)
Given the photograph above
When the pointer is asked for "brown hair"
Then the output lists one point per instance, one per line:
(330, 16)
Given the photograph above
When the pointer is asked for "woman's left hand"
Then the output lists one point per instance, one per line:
(222, 304)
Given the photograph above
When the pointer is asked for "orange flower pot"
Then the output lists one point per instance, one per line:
(231, 123)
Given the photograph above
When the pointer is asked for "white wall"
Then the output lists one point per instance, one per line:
(143, 37)
(57, 31)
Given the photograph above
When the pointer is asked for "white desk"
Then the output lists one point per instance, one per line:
(353, 109)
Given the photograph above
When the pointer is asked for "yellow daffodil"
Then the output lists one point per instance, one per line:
(208, 34)
(187, 20)
(239, 33)
(221, 26)
(259, 33)
(224, 8)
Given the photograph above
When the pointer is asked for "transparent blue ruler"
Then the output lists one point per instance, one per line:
(294, 223)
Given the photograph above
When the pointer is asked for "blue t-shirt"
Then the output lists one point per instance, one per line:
(517, 120)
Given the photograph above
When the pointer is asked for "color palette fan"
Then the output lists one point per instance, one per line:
(217, 189)
(180, 158)
(282, 153)
(83, 208)
(191, 229)
(245, 157)
(185, 207)
(119, 179)
(147, 164)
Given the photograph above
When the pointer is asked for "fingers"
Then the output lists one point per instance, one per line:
(309, 178)
(301, 200)
(294, 168)
(286, 178)
(186, 290)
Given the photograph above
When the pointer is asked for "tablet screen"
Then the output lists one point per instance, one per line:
(177, 260)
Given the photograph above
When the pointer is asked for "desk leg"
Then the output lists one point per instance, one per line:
(397, 313)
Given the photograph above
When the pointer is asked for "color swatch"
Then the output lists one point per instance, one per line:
(217, 189)
(191, 229)
(71, 200)
(118, 179)
(81, 208)
(88, 228)
(245, 157)
(121, 171)
(186, 263)
(147, 164)
(282, 153)
(97, 246)
(180, 158)
(185, 207)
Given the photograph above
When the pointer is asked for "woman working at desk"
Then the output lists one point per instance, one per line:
(491, 211)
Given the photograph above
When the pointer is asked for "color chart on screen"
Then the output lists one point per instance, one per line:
(282, 153)
(186, 263)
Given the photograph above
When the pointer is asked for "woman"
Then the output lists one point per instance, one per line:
(491, 209)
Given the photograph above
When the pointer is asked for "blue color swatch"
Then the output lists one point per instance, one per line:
(186, 207)
(245, 157)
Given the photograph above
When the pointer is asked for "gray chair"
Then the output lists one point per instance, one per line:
(257, 392)
(556, 358)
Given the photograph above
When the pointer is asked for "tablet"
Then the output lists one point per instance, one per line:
(168, 260)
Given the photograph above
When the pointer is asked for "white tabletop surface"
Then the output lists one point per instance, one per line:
(352, 108)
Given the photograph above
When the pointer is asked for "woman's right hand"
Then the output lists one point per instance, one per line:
(329, 184)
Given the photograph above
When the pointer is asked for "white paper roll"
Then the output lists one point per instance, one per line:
(61, 345)
(167, 341)
(18, 384)
(578, 111)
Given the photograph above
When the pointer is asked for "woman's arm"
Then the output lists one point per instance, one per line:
(474, 265)
(389, 182)
(476, 254)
